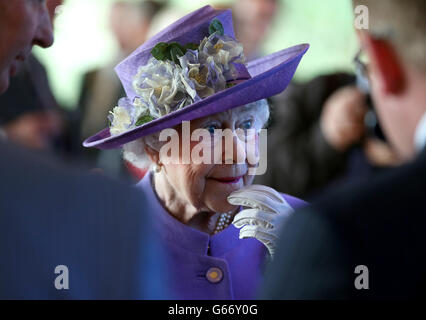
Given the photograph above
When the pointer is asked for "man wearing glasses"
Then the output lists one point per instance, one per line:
(367, 241)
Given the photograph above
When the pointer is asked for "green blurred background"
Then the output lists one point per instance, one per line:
(83, 40)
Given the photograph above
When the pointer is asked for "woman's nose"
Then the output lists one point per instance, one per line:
(234, 148)
(240, 150)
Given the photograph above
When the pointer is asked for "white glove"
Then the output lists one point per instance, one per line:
(268, 213)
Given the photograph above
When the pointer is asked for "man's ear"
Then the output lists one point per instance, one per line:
(385, 64)
(153, 155)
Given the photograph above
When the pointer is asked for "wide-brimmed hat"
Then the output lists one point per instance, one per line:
(192, 69)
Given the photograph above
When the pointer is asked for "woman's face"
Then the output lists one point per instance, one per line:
(206, 186)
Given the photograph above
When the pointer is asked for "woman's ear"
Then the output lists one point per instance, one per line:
(153, 154)
(385, 64)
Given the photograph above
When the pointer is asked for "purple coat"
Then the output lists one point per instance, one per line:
(208, 267)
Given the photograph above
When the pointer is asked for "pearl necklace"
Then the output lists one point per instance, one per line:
(223, 222)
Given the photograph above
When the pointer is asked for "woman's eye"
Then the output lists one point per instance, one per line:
(211, 128)
(247, 125)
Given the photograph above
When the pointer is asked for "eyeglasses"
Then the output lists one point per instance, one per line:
(245, 136)
(361, 72)
(363, 84)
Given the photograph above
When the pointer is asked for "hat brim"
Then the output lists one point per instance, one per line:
(270, 75)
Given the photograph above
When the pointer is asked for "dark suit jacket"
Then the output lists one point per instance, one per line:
(51, 216)
(379, 223)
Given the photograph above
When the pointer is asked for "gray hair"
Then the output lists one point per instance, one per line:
(403, 23)
(134, 151)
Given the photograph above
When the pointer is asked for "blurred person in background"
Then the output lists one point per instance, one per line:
(319, 137)
(253, 20)
(59, 221)
(169, 13)
(366, 240)
(130, 23)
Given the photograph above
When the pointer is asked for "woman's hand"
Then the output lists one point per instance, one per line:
(267, 214)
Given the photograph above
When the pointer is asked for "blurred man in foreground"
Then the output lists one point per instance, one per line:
(24, 24)
(34, 119)
(368, 240)
(64, 234)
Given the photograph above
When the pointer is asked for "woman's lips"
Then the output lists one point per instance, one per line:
(228, 180)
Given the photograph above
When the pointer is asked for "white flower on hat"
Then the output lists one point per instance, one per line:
(224, 51)
(199, 74)
(160, 85)
(121, 120)
(126, 114)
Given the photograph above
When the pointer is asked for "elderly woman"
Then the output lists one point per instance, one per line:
(193, 114)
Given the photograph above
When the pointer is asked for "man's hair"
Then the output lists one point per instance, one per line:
(402, 23)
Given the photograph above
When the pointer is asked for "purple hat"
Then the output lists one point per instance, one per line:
(192, 69)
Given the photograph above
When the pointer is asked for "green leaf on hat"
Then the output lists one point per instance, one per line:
(191, 46)
(161, 51)
(144, 119)
(176, 51)
(177, 46)
(216, 26)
